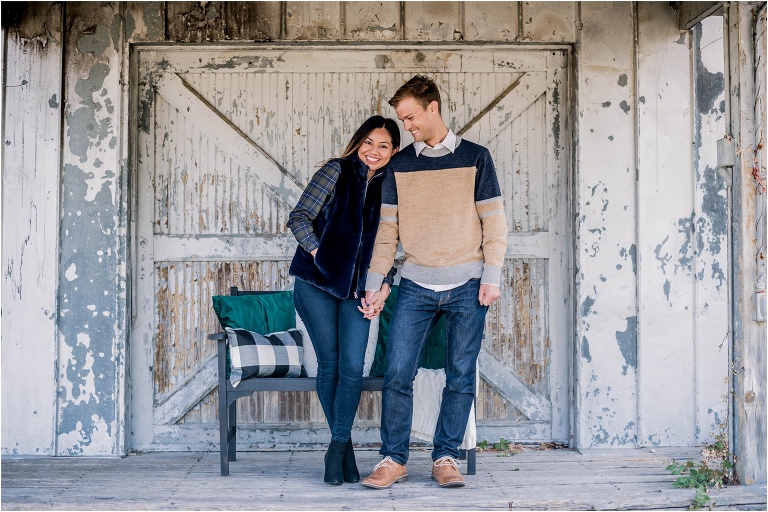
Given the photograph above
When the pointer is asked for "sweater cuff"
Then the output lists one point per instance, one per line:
(491, 275)
(374, 281)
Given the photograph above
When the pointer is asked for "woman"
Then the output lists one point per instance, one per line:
(335, 223)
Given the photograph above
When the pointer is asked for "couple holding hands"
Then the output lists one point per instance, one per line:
(440, 198)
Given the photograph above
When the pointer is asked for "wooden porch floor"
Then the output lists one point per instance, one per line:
(531, 480)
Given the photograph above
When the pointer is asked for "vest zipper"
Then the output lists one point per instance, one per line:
(356, 279)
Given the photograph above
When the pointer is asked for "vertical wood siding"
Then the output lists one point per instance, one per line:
(614, 181)
(30, 209)
(606, 279)
(712, 268)
(666, 250)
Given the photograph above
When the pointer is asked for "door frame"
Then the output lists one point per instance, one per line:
(136, 356)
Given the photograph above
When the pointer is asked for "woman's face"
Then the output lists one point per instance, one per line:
(376, 149)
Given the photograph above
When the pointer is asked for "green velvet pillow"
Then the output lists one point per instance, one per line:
(433, 354)
(262, 314)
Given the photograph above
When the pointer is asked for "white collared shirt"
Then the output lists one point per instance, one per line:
(449, 143)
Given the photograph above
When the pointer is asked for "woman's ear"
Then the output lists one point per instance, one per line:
(395, 150)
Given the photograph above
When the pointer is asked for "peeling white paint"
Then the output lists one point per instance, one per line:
(71, 273)
(605, 200)
(31, 122)
(676, 245)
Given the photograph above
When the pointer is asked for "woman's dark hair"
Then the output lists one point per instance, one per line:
(366, 128)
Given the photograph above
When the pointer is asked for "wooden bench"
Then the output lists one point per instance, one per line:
(228, 396)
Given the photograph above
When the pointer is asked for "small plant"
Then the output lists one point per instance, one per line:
(502, 445)
(713, 471)
(505, 447)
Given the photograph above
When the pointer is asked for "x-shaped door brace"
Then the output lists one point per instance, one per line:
(482, 128)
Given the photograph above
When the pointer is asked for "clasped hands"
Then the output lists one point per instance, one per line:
(373, 302)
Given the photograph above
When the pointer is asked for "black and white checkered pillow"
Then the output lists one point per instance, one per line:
(278, 354)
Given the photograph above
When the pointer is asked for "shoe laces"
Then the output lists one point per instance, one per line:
(385, 462)
(448, 461)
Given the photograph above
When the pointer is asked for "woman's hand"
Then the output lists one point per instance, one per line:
(373, 303)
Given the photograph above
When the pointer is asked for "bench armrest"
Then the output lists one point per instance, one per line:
(218, 336)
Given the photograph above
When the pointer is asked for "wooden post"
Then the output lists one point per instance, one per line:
(749, 335)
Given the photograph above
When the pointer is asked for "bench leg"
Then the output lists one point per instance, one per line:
(233, 428)
(472, 461)
(223, 434)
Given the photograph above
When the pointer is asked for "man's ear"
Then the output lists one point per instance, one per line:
(433, 107)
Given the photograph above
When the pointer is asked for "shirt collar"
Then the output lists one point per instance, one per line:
(449, 143)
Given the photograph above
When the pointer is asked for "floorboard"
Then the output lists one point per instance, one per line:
(530, 480)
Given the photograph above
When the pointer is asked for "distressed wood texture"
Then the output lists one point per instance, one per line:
(691, 13)
(606, 230)
(192, 22)
(549, 21)
(666, 250)
(617, 480)
(712, 272)
(92, 319)
(30, 220)
(747, 207)
(231, 138)
(491, 21)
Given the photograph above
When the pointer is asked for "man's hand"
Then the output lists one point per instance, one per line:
(373, 302)
(488, 294)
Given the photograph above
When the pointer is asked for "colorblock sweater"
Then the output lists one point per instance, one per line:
(447, 211)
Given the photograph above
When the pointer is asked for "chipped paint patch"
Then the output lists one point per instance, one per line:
(624, 106)
(71, 273)
(685, 260)
(93, 434)
(585, 351)
(627, 340)
(94, 39)
(383, 61)
(83, 129)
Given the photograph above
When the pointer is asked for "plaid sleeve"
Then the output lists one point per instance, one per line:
(317, 193)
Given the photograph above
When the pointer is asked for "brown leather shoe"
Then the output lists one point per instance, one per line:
(445, 471)
(386, 473)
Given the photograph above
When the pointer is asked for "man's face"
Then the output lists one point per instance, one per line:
(422, 123)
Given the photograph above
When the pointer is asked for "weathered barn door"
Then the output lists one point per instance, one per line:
(226, 140)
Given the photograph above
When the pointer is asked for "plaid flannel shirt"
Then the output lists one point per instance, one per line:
(313, 199)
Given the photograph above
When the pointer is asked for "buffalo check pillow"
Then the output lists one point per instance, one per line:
(278, 354)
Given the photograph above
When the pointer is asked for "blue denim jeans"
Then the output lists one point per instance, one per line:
(417, 309)
(339, 334)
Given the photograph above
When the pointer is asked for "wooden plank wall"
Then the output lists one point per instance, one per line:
(606, 250)
(665, 216)
(747, 207)
(30, 210)
(614, 371)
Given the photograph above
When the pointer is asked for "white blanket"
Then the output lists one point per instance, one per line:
(427, 397)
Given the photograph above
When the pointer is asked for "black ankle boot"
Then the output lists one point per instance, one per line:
(334, 474)
(351, 474)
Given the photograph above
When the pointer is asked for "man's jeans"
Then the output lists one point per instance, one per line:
(339, 334)
(417, 309)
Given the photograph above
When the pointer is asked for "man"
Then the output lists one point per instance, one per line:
(441, 200)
